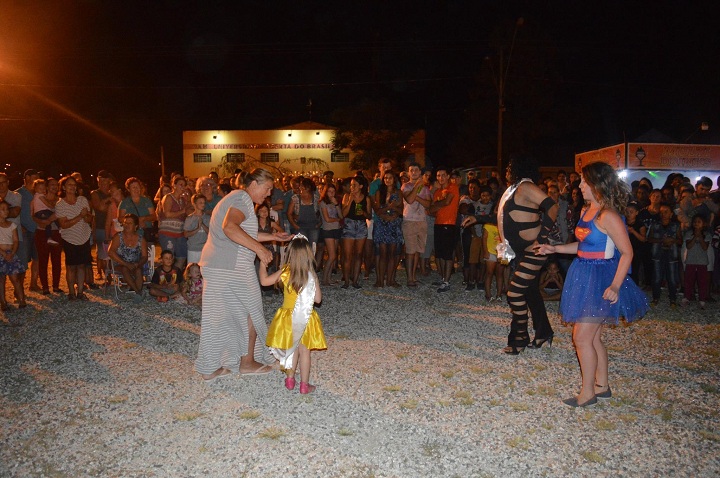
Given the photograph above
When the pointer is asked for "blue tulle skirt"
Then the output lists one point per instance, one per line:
(582, 299)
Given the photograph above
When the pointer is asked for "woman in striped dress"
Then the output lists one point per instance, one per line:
(74, 216)
(233, 331)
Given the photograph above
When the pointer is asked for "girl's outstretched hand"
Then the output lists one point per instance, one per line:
(544, 249)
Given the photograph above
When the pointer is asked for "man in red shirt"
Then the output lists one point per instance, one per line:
(445, 204)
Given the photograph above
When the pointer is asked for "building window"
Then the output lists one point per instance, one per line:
(235, 157)
(340, 157)
(270, 157)
(202, 157)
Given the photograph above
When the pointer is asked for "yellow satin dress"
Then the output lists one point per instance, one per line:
(280, 332)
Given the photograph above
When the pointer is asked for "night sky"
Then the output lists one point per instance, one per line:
(91, 85)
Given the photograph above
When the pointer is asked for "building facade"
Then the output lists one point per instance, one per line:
(300, 149)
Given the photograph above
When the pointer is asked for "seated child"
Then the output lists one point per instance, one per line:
(551, 281)
(167, 278)
(192, 286)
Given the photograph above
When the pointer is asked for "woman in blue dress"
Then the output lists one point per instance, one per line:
(387, 230)
(598, 290)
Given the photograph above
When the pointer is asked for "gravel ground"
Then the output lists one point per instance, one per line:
(413, 384)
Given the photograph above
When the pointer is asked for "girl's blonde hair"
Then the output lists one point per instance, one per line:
(301, 260)
(186, 274)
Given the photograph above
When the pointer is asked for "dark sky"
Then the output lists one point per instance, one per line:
(86, 85)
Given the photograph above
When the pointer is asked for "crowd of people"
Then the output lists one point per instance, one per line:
(359, 227)
(513, 238)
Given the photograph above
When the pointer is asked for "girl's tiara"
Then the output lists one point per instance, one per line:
(300, 236)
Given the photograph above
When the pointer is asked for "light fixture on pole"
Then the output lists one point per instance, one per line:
(703, 127)
(500, 81)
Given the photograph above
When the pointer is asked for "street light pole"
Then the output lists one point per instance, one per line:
(500, 85)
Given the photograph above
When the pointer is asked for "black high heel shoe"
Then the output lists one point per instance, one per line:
(511, 350)
(538, 343)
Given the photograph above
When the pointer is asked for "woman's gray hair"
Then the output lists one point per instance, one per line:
(258, 174)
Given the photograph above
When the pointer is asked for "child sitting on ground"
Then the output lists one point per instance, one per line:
(192, 285)
(166, 280)
(551, 282)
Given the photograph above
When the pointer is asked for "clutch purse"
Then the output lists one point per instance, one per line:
(505, 253)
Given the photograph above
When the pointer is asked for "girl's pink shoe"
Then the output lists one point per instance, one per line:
(306, 388)
(290, 383)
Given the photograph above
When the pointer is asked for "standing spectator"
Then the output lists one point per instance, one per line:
(74, 216)
(429, 187)
(140, 205)
(10, 264)
(371, 254)
(206, 186)
(445, 205)
(304, 215)
(563, 185)
(696, 254)
(47, 245)
(642, 195)
(331, 215)
(356, 209)
(292, 187)
(100, 201)
(493, 268)
(648, 216)
(699, 203)
(665, 239)
(27, 251)
(638, 236)
(268, 225)
(196, 229)
(560, 233)
(477, 203)
(577, 202)
(171, 219)
(112, 223)
(14, 201)
(416, 199)
(388, 238)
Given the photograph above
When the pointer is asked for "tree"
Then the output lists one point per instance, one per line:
(372, 129)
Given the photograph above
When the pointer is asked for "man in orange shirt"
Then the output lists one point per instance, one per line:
(445, 204)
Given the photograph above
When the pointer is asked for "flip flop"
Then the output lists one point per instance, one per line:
(224, 373)
(262, 370)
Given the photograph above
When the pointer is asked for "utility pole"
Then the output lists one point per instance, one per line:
(500, 81)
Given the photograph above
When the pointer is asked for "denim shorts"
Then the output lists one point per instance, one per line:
(355, 229)
(178, 245)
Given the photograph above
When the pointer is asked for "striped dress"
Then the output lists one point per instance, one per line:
(231, 293)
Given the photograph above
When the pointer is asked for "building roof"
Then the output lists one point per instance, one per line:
(308, 125)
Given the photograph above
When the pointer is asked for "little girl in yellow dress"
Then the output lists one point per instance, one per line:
(296, 329)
